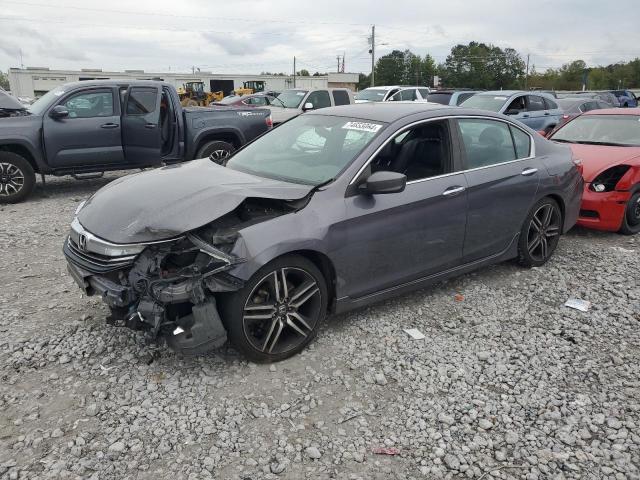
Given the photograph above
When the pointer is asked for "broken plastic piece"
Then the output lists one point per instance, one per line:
(386, 451)
(578, 304)
(458, 297)
(178, 331)
(414, 333)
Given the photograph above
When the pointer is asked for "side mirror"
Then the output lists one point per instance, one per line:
(512, 111)
(307, 106)
(384, 182)
(59, 111)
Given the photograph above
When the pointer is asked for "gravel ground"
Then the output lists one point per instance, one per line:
(508, 382)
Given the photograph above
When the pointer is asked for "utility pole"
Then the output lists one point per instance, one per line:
(294, 72)
(21, 61)
(338, 70)
(526, 77)
(373, 54)
(344, 54)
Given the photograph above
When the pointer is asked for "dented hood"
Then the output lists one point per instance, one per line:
(597, 158)
(166, 202)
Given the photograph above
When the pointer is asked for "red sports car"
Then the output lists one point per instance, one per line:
(608, 144)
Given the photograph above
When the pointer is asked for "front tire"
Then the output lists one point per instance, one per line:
(279, 310)
(631, 220)
(540, 233)
(17, 178)
(216, 150)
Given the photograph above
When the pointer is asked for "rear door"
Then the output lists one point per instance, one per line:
(502, 180)
(89, 137)
(141, 135)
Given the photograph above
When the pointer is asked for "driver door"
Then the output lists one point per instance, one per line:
(396, 238)
(89, 136)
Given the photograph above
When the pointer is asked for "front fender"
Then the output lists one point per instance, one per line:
(27, 144)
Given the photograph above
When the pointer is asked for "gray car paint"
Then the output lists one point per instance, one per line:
(372, 242)
(54, 148)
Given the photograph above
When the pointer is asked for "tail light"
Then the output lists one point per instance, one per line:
(578, 163)
(269, 121)
(565, 117)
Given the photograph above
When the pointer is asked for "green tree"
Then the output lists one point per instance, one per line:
(478, 65)
(4, 81)
(304, 73)
(404, 68)
(364, 81)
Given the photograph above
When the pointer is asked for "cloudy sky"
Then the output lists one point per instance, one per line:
(243, 36)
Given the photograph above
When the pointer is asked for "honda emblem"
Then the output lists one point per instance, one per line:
(82, 242)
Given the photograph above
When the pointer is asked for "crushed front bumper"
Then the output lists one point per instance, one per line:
(142, 295)
(603, 210)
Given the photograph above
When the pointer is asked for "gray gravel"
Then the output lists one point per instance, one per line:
(508, 383)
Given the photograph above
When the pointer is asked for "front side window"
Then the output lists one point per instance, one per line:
(486, 142)
(517, 105)
(142, 100)
(310, 149)
(421, 152)
(408, 95)
(90, 104)
(550, 104)
(371, 95)
(319, 99)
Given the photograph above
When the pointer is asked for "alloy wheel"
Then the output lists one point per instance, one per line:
(635, 213)
(219, 154)
(11, 179)
(544, 231)
(282, 310)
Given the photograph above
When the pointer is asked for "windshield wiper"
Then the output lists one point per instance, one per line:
(612, 144)
(560, 140)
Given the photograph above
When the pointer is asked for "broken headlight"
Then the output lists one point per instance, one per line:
(607, 180)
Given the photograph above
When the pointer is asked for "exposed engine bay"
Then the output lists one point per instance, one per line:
(171, 288)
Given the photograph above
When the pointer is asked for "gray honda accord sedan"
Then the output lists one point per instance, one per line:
(333, 210)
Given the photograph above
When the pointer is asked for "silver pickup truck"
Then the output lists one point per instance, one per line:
(293, 102)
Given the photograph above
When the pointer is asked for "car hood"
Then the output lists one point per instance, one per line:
(169, 201)
(597, 158)
(280, 114)
(10, 102)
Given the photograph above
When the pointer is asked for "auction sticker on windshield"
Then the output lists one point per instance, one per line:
(362, 126)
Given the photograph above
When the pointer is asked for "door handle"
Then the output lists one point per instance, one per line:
(150, 125)
(109, 125)
(547, 113)
(525, 115)
(529, 171)
(453, 191)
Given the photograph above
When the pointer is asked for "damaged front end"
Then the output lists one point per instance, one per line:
(169, 288)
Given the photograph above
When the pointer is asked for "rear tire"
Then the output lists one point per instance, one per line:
(216, 150)
(540, 233)
(271, 319)
(631, 220)
(17, 177)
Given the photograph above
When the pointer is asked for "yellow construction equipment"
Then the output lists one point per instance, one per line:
(192, 94)
(250, 87)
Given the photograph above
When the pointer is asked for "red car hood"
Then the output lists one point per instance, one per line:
(597, 158)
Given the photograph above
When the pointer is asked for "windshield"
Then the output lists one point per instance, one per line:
(492, 103)
(310, 149)
(230, 99)
(39, 106)
(371, 95)
(291, 98)
(442, 98)
(619, 130)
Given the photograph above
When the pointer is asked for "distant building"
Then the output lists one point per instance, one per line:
(36, 81)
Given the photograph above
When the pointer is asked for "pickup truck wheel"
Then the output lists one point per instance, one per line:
(17, 178)
(216, 150)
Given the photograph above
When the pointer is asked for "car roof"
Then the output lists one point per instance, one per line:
(614, 111)
(511, 93)
(114, 82)
(389, 112)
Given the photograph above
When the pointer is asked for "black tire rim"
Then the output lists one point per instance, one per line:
(544, 231)
(634, 211)
(219, 154)
(11, 179)
(282, 310)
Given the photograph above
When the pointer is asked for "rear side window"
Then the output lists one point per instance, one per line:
(550, 104)
(521, 141)
(424, 93)
(486, 142)
(142, 100)
(320, 99)
(340, 97)
(535, 103)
